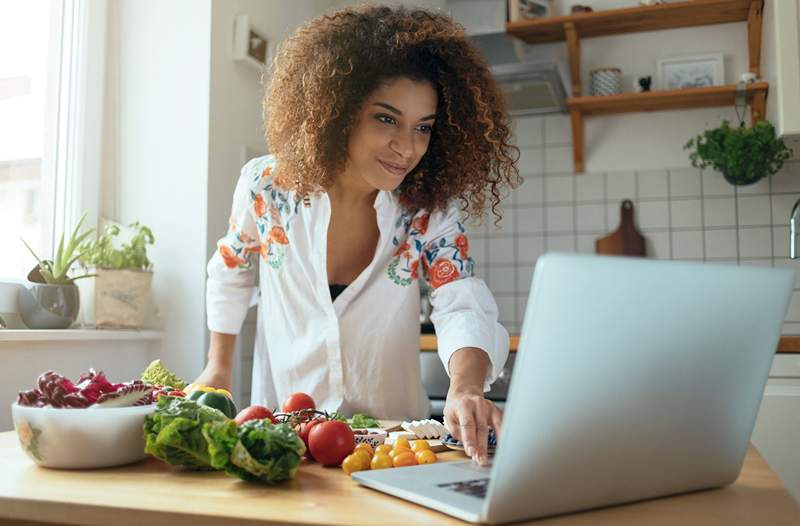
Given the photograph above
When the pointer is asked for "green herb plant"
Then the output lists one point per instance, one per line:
(55, 272)
(744, 155)
(101, 252)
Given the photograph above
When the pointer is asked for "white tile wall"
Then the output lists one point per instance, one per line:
(683, 212)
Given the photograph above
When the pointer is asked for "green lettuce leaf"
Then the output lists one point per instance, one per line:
(264, 452)
(175, 433)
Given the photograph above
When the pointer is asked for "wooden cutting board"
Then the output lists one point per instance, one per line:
(626, 240)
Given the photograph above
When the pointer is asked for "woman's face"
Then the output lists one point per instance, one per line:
(392, 133)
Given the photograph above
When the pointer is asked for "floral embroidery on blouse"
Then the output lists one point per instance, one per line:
(272, 211)
(443, 260)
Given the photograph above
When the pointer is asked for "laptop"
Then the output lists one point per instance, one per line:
(634, 379)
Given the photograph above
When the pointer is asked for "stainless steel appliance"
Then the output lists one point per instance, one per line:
(532, 83)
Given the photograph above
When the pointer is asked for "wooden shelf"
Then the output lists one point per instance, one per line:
(632, 20)
(572, 28)
(668, 100)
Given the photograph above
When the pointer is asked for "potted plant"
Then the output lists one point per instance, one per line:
(49, 298)
(119, 296)
(743, 155)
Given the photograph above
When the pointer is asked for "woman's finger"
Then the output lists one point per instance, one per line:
(483, 419)
(467, 427)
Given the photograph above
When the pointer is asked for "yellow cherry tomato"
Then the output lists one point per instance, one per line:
(366, 447)
(364, 457)
(383, 448)
(402, 443)
(404, 458)
(352, 463)
(420, 445)
(425, 456)
(381, 461)
(393, 453)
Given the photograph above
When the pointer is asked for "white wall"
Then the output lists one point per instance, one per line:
(157, 154)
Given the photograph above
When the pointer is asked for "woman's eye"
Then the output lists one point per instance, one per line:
(386, 119)
(425, 128)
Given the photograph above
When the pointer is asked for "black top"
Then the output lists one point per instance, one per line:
(336, 290)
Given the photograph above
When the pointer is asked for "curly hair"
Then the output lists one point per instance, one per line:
(323, 74)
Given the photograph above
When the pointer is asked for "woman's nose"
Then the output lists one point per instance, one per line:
(403, 144)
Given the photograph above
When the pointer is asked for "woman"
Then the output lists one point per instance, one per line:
(385, 125)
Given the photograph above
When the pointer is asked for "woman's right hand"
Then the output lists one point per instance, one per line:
(217, 376)
(219, 369)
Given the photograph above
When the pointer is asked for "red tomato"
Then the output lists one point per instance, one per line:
(298, 401)
(254, 412)
(330, 442)
(305, 428)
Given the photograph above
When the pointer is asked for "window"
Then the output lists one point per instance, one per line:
(26, 70)
(51, 78)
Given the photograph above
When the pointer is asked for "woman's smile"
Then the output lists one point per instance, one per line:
(397, 170)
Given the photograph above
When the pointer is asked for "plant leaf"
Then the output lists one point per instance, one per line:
(38, 259)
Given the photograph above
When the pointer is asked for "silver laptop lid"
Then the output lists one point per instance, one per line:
(635, 378)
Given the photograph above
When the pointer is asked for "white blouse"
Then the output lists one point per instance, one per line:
(359, 353)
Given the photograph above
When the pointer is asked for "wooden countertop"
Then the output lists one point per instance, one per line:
(787, 344)
(151, 492)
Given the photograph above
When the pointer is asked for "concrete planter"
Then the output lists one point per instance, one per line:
(116, 299)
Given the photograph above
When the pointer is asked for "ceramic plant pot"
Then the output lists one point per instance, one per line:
(44, 306)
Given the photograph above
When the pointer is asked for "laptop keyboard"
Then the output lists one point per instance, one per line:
(473, 488)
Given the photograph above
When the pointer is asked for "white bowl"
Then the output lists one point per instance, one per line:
(81, 438)
(374, 436)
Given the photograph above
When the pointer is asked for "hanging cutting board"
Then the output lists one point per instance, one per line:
(626, 240)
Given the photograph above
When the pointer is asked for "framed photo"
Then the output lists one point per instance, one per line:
(528, 9)
(694, 71)
(249, 44)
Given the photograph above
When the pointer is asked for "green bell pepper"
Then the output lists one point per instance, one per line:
(216, 400)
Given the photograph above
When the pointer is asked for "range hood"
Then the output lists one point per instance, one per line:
(531, 87)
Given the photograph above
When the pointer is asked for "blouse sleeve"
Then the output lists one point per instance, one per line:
(464, 311)
(232, 270)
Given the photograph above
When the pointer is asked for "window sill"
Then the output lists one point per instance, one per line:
(27, 335)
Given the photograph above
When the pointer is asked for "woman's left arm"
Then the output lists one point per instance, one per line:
(471, 343)
(467, 413)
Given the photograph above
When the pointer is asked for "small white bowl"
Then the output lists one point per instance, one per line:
(375, 436)
(81, 438)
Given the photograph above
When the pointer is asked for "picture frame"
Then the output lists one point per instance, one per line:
(528, 9)
(692, 71)
(249, 44)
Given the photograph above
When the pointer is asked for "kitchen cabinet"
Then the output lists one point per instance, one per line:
(777, 430)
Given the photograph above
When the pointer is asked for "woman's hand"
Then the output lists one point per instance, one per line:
(217, 376)
(219, 369)
(467, 414)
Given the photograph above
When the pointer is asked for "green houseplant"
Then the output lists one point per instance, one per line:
(49, 299)
(119, 296)
(743, 155)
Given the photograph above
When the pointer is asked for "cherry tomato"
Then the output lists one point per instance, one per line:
(404, 458)
(352, 463)
(366, 447)
(425, 456)
(298, 401)
(420, 445)
(383, 448)
(381, 461)
(363, 456)
(402, 443)
(254, 412)
(393, 453)
(330, 442)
